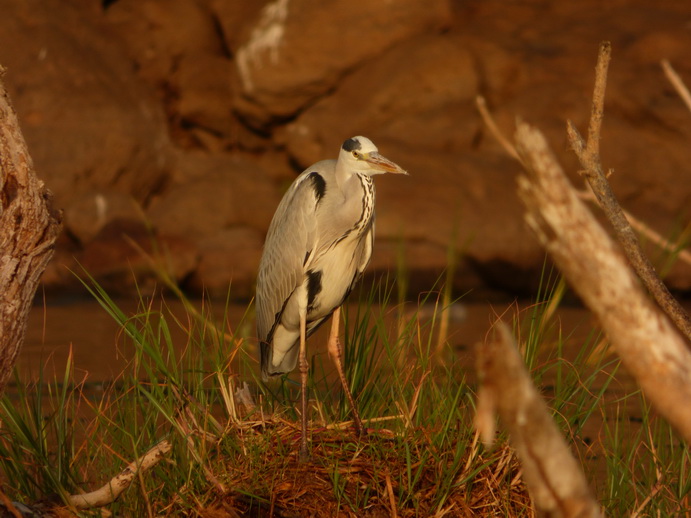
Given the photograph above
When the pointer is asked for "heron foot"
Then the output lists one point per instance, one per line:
(361, 431)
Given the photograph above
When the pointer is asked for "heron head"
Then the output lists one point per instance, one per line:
(360, 155)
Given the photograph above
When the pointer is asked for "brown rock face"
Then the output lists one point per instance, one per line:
(221, 205)
(420, 91)
(228, 262)
(212, 192)
(158, 33)
(298, 50)
(88, 122)
(182, 122)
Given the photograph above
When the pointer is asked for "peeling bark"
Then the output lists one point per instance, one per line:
(28, 231)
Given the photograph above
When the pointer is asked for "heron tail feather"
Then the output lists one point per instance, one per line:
(265, 360)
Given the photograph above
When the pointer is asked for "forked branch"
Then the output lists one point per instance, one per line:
(588, 154)
(649, 345)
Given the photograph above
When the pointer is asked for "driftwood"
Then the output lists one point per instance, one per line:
(650, 347)
(28, 231)
(556, 483)
(109, 492)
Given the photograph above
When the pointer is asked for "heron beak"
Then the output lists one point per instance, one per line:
(385, 165)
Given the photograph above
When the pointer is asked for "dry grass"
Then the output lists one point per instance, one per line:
(345, 469)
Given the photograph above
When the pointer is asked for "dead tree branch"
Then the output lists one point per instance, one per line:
(109, 492)
(647, 232)
(28, 231)
(494, 129)
(587, 194)
(555, 480)
(677, 83)
(648, 344)
(588, 154)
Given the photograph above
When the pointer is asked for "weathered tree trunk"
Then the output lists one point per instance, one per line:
(650, 347)
(28, 230)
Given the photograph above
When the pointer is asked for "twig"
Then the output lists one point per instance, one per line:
(494, 129)
(392, 498)
(650, 347)
(347, 424)
(113, 489)
(657, 487)
(677, 82)
(555, 480)
(598, 107)
(589, 156)
(655, 238)
(643, 229)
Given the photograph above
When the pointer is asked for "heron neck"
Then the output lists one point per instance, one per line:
(343, 176)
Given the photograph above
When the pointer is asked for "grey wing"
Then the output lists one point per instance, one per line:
(289, 242)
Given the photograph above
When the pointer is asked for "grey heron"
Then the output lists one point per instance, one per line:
(317, 247)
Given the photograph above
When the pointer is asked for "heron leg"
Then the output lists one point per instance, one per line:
(336, 353)
(304, 370)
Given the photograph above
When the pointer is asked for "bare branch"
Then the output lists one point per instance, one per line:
(650, 234)
(112, 490)
(677, 82)
(555, 480)
(648, 344)
(494, 129)
(592, 148)
(655, 238)
(589, 156)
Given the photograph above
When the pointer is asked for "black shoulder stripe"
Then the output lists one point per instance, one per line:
(314, 286)
(277, 319)
(318, 184)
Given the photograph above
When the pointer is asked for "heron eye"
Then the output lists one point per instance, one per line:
(357, 155)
